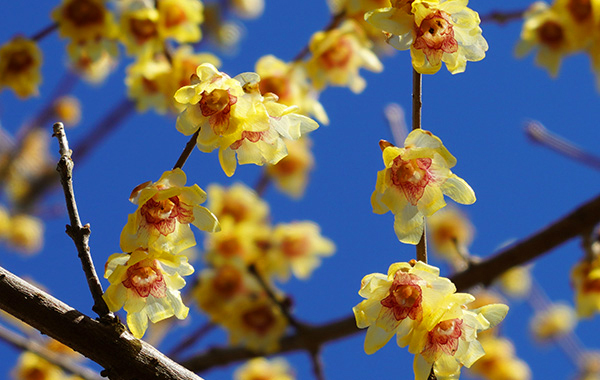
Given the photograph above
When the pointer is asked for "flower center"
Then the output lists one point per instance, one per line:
(259, 319)
(247, 135)
(404, 298)
(551, 33)
(84, 12)
(227, 281)
(289, 165)
(278, 85)
(230, 246)
(435, 36)
(295, 246)
(444, 337)
(142, 29)
(237, 210)
(19, 61)
(581, 10)
(338, 55)
(146, 279)
(411, 176)
(165, 214)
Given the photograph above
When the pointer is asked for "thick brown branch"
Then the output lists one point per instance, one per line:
(79, 233)
(123, 356)
(484, 272)
(62, 361)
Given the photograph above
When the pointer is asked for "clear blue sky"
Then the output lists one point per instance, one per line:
(479, 115)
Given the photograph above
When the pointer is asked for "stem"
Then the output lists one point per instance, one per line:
(63, 361)
(44, 32)
(417, 106)
(191, 339)
(501, 17)
(80, 234)
(189, 147)
(540, 134)
(262, 183)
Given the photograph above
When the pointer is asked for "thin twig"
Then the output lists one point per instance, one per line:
(261, 185)
(189, 147)
(62, 361)
(317, 364)
(485, 272)
(502, 17)
(44, 32)
(417, 105)
(283, 307)
(540, 134)
(79, 233)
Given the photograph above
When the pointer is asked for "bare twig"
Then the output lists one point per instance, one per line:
(485, 272)
(79, 233)
(189, 147)
(502, 17)
(64, 362)
(541, 135)
(317, 363)
(122, 355)
(261, 185)
(44, 32)
(191, 339)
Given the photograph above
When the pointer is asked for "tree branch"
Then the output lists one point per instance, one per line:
(79, 233)
(564, 229)
(110, 345)
(64, 362)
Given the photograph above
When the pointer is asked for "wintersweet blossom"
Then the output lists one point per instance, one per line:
(338, 55)
(451, 234)
(396, 302)
(32, 367)
(180, 20)
(290, 174)
(414, 181)
(297, 248)
(26, 233)
(264, 369)
(146, 284)
(450, 337)
(500, 362)
(165, 210)
(585, 279)
(434, 31)
(545, 29)
(238, 202)
(553, 322)
(139, 28)
(20, 63)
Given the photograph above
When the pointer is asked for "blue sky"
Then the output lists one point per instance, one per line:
(479, 115)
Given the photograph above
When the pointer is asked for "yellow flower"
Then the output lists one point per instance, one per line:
(297, 247)
(33, 367)
(4, 222)
(139, 28)
(289, 82)
(337, 56)
(94, 70)
(395, 303)
(516, 281)
(218, 287)
(20, 62)
(545, 28)
(237, 202)
(450, 340)
(499, 362)
(68, 110)
(414, 181)
(146, 284)
(264, 369)
(216, 106)
(145, 80)
(26, 233)
(291, 172)
(585, 278)
(434, 31)
(88, 24)
(555, 321)
(165, 210)
(180, 20)
(451, 234)
(256, 323)
(235, 241)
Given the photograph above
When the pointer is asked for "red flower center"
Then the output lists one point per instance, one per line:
(581, 10)
(174, 16)
(164, 215)
(217, 105)
(338, 55)
(551, 33)
(411, 176)
(19, 61)
(142, 29)
(259, 319)
(444, 337)
(83, 13)
(146, 279)
(295, 246)
(405, 297)
(435, 36)
(227, 281)
(278, 85)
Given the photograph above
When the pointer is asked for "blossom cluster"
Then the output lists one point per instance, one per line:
(249, 249)
(232, 114)
(563, 28)
(426, 314)
(435, 31)
(146, 279)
